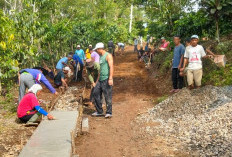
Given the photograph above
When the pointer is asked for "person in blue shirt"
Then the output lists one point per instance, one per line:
(60, 79)
(29, 77)
(177, 80)
(80, 53)
(62, 63)
(78, 65)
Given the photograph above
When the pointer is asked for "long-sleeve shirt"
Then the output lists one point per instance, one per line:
(39, 78)
(93, 73)
(81, 54)
(29, 105)
(77, 59)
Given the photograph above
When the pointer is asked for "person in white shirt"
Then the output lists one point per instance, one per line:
(121, 47)
(193, 55)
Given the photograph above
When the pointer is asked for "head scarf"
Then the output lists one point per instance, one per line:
(35, 88)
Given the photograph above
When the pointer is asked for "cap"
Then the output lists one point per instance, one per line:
(69, 56)
(67, 69)
(90, 45)
(162, 38)
(89, 63)
(78, 46)
(99, 46)
(194, 37)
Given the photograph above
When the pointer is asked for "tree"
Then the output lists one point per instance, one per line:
(217, 8)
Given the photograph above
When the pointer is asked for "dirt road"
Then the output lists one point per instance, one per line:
(132, 93)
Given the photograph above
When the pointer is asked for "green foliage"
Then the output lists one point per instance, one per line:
(160, 99)
(167, 18)
(7, 103)
(225, 48)
(46, 30)
(9, 63)
(192, 23)
(216, 10)
(163, 61)
(219, 76)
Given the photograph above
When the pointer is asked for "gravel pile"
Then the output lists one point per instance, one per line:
(69, 100)
(201, 120)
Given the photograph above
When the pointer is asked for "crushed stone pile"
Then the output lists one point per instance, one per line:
(69, 100)
(201, 120)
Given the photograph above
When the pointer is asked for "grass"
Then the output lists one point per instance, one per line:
(160, 99)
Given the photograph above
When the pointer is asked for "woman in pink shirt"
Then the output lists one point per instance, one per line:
(29, 109)
(164, 46)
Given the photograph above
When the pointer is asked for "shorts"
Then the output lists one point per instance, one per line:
(194, 76)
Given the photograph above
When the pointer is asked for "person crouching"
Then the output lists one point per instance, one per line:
(60, 79)
(29, 109)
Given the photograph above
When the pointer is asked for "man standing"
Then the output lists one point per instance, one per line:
(29, 77)
(95, 57)
(135, 45)
(105, 82)
(87, 52)
(111, 47)
(177, 80)
(78, 67)
(63, 62)
(193, 55)
(80, 53)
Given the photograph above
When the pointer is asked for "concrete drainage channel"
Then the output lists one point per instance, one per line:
(56, 138)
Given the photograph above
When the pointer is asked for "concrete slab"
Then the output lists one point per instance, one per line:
(85, 125)
(52, 138)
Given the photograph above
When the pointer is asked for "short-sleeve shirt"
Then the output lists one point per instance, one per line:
(121, 44)
(59, 65)
(81, 54)
(58, 77)
(87, 54)
(164, 45)
(178, 52)
(96, 56)
(194, 55)
(28, 103)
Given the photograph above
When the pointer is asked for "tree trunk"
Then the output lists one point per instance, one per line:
(217, 31)
(51, 53)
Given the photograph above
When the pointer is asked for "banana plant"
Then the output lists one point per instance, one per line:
(216, 8)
